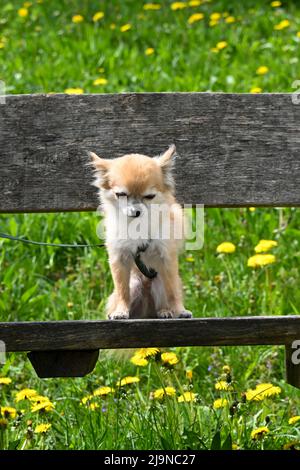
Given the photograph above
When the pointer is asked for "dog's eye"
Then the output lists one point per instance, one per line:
(149, 196)
(121, 194)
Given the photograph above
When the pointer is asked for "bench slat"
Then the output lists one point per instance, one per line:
(88, 335)
(234, 149)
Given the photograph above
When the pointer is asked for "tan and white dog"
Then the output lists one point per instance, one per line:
(142, 218)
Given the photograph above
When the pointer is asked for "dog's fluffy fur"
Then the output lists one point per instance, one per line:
(141, 182)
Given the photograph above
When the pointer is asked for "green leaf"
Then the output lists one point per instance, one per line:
(227, 444)
(216, 441)
(27, 294)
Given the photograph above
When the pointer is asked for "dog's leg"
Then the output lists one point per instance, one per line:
(119, 302)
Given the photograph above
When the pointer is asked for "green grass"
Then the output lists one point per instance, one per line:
(46, 52)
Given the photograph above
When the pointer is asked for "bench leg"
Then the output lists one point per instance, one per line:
(63, 363)
(292, 363)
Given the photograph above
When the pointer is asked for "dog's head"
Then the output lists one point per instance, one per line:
(136, 179)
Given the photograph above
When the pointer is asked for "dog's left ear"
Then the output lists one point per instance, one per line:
(166, 162)
(101, 166)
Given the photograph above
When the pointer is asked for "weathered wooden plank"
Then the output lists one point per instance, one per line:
(63, 363)
(292, 365)
(234, 149)
(83, 335)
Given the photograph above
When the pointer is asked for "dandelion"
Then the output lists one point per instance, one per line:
(294, 419)
(189, 374)
(262, 391)
(86, 399)
(100, 81)
(163, 392)
(223, 386)
(265, 245)
(234, 446)
(220, 403)
(262, 70)
(178, 6)
(195, 17)
(221, 45)
(8, 412)
(5, 381)
(276, 4)
(214, 49)
(294, 445)
(252, 209)
(226, 247)
(103, 391)
(152, 6)
(147, 352)
(74, 91)
(260, 260)
(226, 369)
(98, 16)
(213, 23)
(128, 381)
(149, 51)
(23, 12)
(255, 89)
(2, 44)
(230, 19)
(70, 305)
(282, 25)
(169, 358)
(38, 399)
(195, 3)
(77, 19)
(139, 361)
(259, 432)
(190, 259)
(215, 16)
(93, 406)
(42, 428)
(25, 394)
(125, 27)
(43, 406)
(187, 396)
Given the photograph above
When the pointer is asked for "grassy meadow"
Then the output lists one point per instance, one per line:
(180, 398)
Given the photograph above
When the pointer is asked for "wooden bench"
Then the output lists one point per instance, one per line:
(235, 151)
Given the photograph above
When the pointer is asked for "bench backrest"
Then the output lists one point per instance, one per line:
(234, 149)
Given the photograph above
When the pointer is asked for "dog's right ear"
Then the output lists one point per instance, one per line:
(101, 166)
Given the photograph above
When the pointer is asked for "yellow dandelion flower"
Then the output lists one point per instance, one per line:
(190, 259)
(215, 16)
(195, 3)
(293, 445)
(195, 17)
(259, 432)
(42, 428)
(23, 12)
(98, 16)
(262, 391)
(125, 27)
(149, 51)
(5, 381)
(226, 369)
(77, 19)
(260, 260)
(298, 34)
(44, 406)
(25, 394)
(230, 19)
(128, 380)
(187, 396)
(70, 305)
(215, 50)
(223, 385)
(294, 419)
(189, 374)
(103, 391)
(139, 361)
(8, 412)
(86, 399)
(255, 89)
(252, 209)
(93, 406)
(234, 446)
(282, 25)
(226, 247)
(100, 81)
(147, 352)
(220, 403)
(221, 45)
(152, 6)
(276, 4)
(178, 5)
(163, 392)
(169, 358)
(38, 399)
(2, 44)
(213, 23)
(265, 245)
(74, 91)
(262, 70)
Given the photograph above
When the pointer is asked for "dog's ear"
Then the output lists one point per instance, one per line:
(166, 163)
(101, 166)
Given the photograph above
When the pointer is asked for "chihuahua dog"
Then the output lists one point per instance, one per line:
(143, 222)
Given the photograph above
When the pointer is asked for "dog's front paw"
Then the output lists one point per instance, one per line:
(165, 313)
(119, 315)
(185, 314)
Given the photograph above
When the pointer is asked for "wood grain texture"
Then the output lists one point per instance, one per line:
(83, 335)
(234, 149)
(63, 363)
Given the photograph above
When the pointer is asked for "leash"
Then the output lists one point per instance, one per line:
(148, 272)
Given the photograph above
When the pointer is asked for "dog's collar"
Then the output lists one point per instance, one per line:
(148, 272)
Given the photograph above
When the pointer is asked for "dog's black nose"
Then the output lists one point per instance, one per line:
(137, 214)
